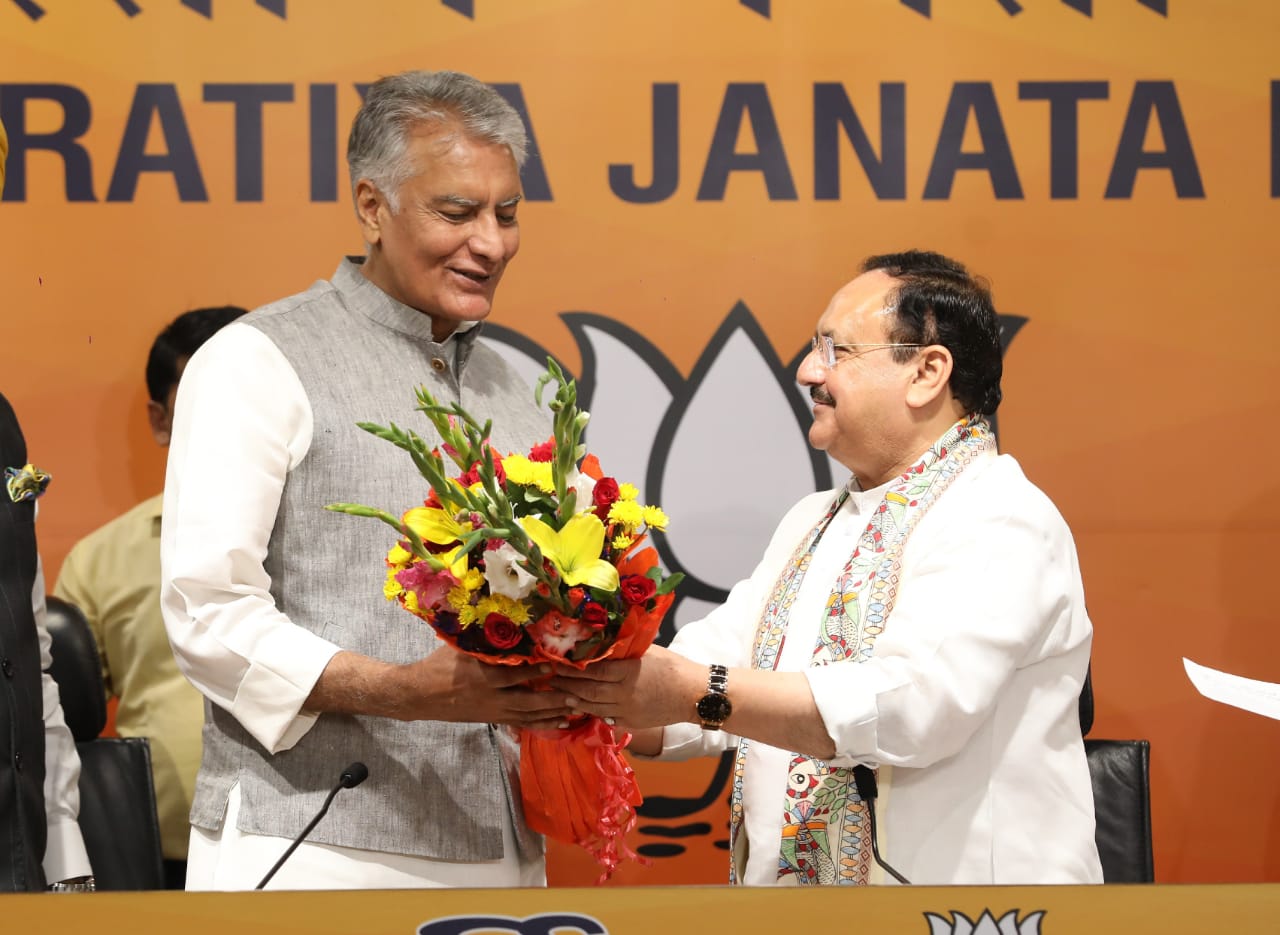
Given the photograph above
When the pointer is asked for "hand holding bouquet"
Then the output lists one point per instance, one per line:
(529, 558)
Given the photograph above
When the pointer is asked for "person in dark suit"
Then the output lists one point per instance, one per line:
(39, 840)
(22, 827)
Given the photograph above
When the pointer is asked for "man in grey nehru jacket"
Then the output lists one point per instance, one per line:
(274, 605)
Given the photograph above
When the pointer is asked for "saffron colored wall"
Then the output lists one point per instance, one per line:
(708, 174)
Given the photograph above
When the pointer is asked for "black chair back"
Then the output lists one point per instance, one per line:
(1120, 773)
(77, 670)
(117, 793)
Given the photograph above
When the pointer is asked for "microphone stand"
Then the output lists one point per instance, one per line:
(352, 776)
(865, 780)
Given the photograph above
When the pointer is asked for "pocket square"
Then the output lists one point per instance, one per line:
(25, 483)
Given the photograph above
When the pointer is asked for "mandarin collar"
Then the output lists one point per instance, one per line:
(364, 298)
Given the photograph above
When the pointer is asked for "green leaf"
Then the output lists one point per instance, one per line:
(670, 584)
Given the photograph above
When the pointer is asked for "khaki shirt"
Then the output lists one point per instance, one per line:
(113, 575)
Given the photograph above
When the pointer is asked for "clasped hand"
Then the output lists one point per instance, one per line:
(657, 689)
(452, 686)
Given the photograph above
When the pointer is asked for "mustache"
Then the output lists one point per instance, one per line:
(819, 394)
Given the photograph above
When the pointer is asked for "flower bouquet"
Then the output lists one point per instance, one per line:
(529, 558)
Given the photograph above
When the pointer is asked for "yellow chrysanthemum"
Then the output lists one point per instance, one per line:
(513, 610)
(622, 542)
(399, 556)
(473, 580)
(411, 602)
(518, 612)
(520, 470)
(654, 517)
(626, 513)
(467, 616)
(459, 597)
(627, 491)
(391, 588)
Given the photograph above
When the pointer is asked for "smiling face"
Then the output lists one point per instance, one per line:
(445, 248)
(872, 413)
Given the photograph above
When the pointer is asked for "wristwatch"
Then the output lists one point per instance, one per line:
(714, 707)
(74, 885)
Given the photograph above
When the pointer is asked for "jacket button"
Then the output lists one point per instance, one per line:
(6, 666)
(17, 762)
(438, 365)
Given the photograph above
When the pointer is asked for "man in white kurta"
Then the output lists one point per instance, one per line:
(963, 691)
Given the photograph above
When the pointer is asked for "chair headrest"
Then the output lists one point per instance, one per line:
(77, 670)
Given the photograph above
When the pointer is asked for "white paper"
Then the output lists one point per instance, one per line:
(1248, 694)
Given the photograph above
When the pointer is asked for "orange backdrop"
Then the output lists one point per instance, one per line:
(1133, 228)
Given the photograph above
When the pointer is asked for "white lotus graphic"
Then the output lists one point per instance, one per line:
(986, 924)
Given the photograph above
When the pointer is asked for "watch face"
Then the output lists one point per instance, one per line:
(714, 707)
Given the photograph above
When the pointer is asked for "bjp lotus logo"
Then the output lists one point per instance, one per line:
(986, 924)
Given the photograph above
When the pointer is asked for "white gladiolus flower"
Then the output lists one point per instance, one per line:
(504, 574)
(585, 486)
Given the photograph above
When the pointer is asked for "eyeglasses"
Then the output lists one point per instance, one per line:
(825, 346)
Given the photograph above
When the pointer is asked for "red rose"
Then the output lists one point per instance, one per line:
(594, 615)
(636, 589)
(604, 496)
(543, 452)
(501, 632)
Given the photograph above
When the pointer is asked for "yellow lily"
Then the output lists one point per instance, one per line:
(575, 550)
(435, 525)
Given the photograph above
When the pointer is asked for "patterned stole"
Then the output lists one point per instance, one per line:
(824, 820)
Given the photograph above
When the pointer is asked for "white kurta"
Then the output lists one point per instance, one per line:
(971, 693)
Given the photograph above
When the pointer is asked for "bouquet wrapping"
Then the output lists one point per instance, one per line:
(527, 558)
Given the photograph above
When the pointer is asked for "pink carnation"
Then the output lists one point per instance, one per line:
(431, 587)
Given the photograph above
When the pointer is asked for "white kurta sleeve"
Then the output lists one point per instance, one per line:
(241, 423)
(64, 855)
(727, 634)
(987, 589)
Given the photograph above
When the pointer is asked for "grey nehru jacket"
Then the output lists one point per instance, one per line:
(435, 789)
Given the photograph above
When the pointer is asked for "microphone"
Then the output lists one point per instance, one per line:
(865, 779)
(351, 777)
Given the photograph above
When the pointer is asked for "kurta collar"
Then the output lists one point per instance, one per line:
(364, 298)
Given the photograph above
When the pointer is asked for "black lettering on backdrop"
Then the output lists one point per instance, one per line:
(752, 102)
(1064, 99)
(666, 153)
(323, 101)
(158, 101)
(995, 158)
(76, 115)
(1158, 99)
(56, 119)
(248, 100)
(833, 112)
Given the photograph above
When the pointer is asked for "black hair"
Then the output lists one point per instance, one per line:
(937, 301)
(179, 341)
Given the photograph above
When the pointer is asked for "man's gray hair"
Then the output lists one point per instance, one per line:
(378, 146)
